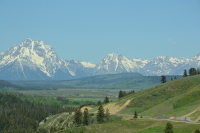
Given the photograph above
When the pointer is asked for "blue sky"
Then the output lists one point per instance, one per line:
(88, 30)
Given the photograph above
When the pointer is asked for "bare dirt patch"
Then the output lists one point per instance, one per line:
(114, 108)
(83, 108)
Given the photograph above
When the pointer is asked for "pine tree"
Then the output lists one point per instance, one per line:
(120, 94)
(169, 128)
(135, 115)
(192, 71)
(107, 115)
(163, 79)
(100, 114)
(86, 120)
(106, 100)
(131, 92)
(124, 93)
(198, 71)
(185, 73)
(78, 117)
(99, 102)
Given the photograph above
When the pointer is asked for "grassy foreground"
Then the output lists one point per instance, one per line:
(134, 126)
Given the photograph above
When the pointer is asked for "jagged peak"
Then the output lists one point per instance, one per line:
(29, 40)
(34, 43)
(161, 57)
(198, 55)
(114, 56)
(32, 50)
(88, 64)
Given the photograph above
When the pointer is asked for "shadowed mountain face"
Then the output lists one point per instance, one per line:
(33, 60)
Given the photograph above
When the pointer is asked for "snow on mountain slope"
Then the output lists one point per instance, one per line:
(164, 65)
(88, 64)
(140, 62)
(33, 60)
(195, 61)
(33, 56)
(115, 63)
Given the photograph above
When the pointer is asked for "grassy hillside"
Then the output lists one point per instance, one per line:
(134, 126)
(177, 97)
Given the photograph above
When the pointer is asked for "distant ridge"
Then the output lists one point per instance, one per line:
(7, 85)
(122, 81)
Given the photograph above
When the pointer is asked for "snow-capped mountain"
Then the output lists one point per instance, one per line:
(115, 63)
(164, 65)
(161, 65)
(194, 61)
(32, 59)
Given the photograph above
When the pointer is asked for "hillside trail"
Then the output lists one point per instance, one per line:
(192, 112)
(197, 120)
(114, 108)
(52, 123)
(65, 121)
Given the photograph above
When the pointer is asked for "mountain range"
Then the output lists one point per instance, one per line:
(33, 60)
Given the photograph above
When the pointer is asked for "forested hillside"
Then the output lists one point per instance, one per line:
(22, 116)
(129, 81)
(5, 85)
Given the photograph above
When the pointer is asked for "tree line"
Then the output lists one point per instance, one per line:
(190, 72)
(86, 119)
(123, 93)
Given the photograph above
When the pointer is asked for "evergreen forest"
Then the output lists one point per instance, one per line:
(22, 116)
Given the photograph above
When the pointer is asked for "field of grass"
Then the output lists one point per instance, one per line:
(135, 126)
(75, 92)
(172, 98)
(74, 97)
